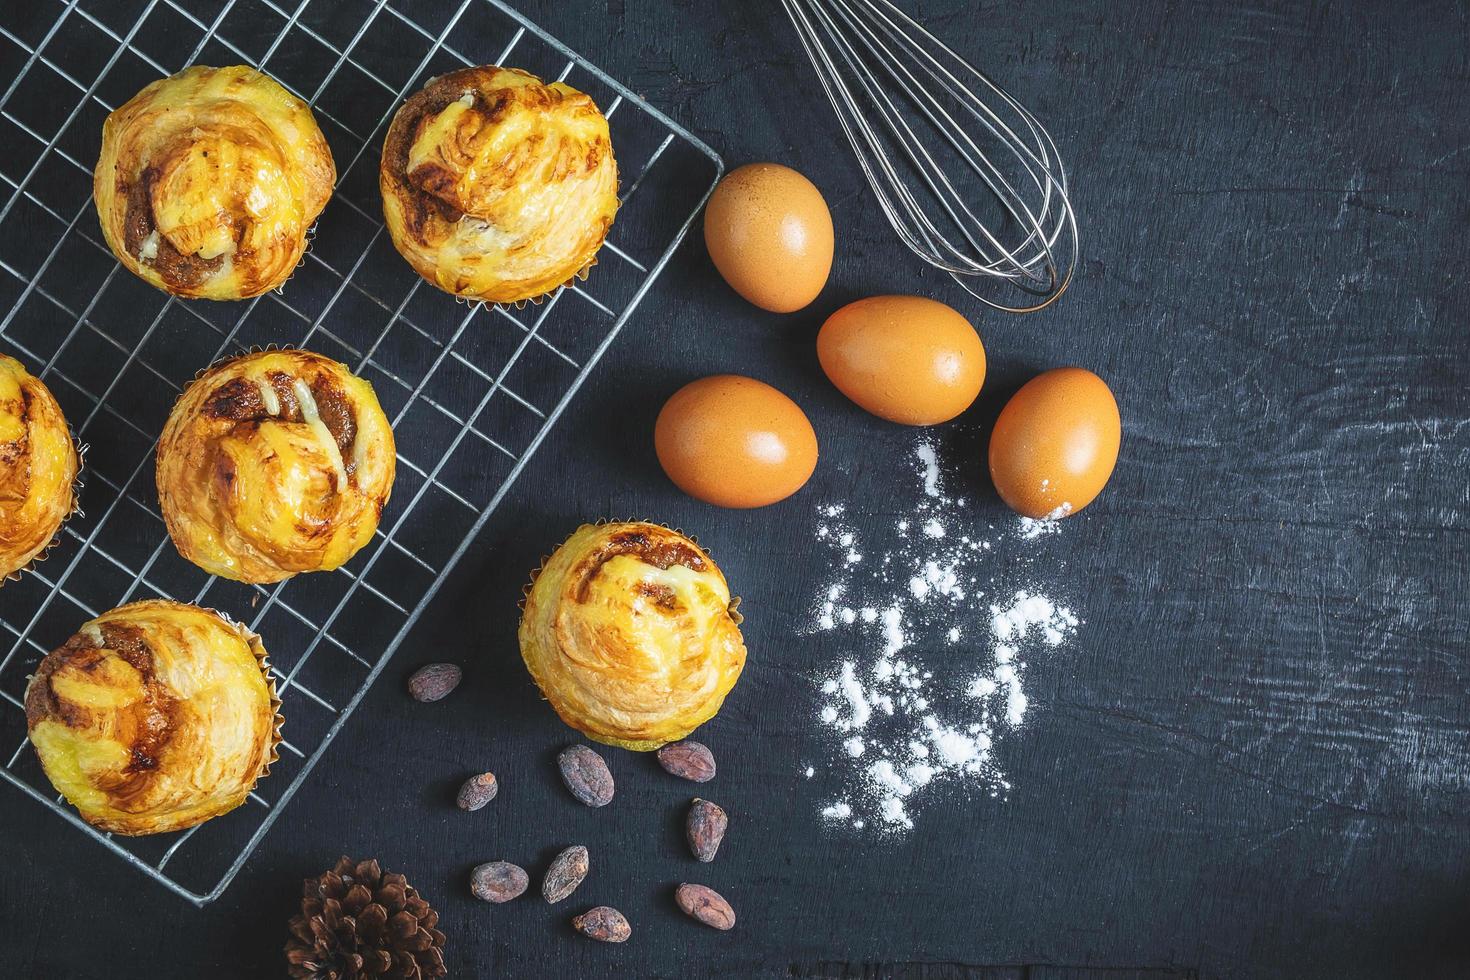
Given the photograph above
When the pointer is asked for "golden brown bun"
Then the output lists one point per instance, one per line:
(38, 467)
(155, 716)
(209, 180)
(630, 632)
(274, 463)
(496, 186)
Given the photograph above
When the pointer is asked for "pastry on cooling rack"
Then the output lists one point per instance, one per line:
(209, 181)
(274, 463)
(631, 633)
(38, 468)
(155, 716)
(497, 186)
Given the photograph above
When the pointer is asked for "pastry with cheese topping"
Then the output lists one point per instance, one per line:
(156, 716)
(497, 186)
(38, 468)
(630, 631)
(274, 463)
(209, 180)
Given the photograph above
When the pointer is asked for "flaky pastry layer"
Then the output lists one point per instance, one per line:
(209, 180)
(497, 186)
(629, 630)
(154, 717)
(38, 467)
(274, 463)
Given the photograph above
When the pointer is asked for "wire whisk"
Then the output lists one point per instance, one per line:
(965, 174)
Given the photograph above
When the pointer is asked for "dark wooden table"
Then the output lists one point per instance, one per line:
(1253, 759)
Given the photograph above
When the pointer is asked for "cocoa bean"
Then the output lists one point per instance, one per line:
(688, 760)
(705, 828)
(498, 881)
(706, 905)
(586, 775)
(477, 791)
(566, 872)
(606, 925)
(432, 682)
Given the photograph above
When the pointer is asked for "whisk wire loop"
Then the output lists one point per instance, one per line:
(942, 146)
(963, 146)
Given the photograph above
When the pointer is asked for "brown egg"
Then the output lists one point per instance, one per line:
(1055, 443)
(769, 233)
(904, 358)
(735, 442)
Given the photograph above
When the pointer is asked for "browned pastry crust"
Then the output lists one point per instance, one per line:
(38, 467)
(154, 717)
(631, 633)
(497, 186)
(209, 180)
(274, 463)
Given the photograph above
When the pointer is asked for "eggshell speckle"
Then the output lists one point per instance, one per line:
(904, 358)
(735, 442)
(769, 233)
(1055, 443)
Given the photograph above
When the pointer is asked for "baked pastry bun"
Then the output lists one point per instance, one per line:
(38, 468)
(209, 180)
(274, 463)
(155, 716)
(631, 634)
(497, 186)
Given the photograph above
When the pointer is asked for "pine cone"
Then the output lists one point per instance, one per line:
(357, 922)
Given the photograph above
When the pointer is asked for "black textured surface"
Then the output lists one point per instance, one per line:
(1253, 759)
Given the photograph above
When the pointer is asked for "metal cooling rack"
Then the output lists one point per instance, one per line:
(472, 391)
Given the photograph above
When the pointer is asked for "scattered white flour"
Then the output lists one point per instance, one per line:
(930, 459)
(937, 597)
(837, 811)
(1033, 528)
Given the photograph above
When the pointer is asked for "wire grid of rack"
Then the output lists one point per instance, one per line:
(472, 390)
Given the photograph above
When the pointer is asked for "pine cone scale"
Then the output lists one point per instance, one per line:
(373, 921)
(357, 922)
(357, 899)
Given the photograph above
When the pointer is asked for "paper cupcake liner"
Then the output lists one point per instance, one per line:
(278, 720)
(520, 304)
(309, 238)
(579, 276)
(76, 511)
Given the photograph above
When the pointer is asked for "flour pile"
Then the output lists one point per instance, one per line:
(930, 596)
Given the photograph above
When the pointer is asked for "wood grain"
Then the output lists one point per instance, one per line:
(1252, 761)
